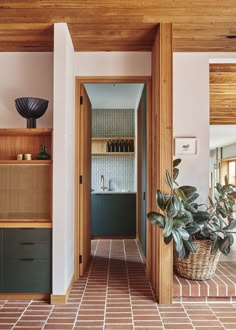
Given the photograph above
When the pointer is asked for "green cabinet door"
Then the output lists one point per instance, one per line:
(114, 214)
(1, 258)
(26, 260)
(27, 275)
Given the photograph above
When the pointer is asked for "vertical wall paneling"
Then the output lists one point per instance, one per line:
(159, 254)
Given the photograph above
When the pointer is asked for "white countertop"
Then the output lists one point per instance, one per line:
(112, 192)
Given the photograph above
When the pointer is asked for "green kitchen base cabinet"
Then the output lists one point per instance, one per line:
(26, 260)
(113, 214)
(1, 252)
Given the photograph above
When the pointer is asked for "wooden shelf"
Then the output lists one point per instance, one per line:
(26, 224)
(99, 145)
(25, 131)
(26, 162)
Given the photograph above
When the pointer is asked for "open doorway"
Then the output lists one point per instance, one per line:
(117, 164)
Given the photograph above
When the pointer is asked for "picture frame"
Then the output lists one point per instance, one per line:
(185, 146)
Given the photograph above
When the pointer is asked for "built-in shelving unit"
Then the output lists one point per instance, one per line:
(25, 185)
(99, 146)
(25, 214)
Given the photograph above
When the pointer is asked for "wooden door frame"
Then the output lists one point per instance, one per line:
(100, 79)
(159, 135)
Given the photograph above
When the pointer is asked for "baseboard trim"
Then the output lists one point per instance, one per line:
(25, 296)
(61, 299)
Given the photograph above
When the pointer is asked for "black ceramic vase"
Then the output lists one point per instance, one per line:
(43, 155)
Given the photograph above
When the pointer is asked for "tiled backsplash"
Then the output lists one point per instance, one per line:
(113, 122)
(119, 171)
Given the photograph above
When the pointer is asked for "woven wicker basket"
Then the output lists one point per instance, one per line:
(200, 265)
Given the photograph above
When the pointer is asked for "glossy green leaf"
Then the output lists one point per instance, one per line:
(175, 173)
(215, 245)
(224, 245)
(179, 192)
(176, 162)
(193, 198)
(156, 219)
(231, 225)
(178, 240)
(160, 200)
(168, 227)
(188, 190)
(183, 233)
(169, 180)
(168, 239)
(190, 246)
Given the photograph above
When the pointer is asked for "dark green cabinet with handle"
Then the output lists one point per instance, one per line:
(113, 214)
(26, 260)
(1, 259)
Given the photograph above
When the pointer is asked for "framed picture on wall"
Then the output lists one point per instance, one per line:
(185, 146)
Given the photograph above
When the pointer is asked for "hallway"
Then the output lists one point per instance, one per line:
(114, 294)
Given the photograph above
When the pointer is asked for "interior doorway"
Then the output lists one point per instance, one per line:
(83, 191)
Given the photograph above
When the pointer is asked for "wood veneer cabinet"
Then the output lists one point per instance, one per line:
(25, 185)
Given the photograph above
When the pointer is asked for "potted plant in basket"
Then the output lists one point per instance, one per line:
(199, 232)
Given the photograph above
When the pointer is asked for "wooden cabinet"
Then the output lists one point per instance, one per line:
(25, 185)
(100, 146)
(26, 260)
(1, 259)
(25, 212)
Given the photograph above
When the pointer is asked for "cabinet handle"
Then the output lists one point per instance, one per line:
(26, 259)
(27, 243)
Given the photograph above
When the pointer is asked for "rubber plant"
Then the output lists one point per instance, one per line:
(183, 220)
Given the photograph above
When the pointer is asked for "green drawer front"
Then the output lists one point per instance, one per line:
(27, 275)
(15, 250)
(1, 258)
(27, 235)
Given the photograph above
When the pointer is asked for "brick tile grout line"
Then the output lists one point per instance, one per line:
(216, 316)
(107, 286)
(153, 295)
(225, 284)
(190, 320)
(22, 315)
(127, 274)
(226, 275)
(48, 316)
(85, 286)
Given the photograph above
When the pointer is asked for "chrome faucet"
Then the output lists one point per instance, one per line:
(103, 183)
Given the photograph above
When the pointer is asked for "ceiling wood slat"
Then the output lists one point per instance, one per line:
(123, 25)
(222, 94)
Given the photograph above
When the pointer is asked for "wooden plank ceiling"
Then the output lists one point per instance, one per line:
(222, 94)
(118, 25)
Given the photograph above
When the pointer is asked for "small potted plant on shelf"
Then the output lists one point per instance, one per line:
(199, 232)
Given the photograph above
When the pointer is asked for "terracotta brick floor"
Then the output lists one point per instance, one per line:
(114, 294)
(222, 286)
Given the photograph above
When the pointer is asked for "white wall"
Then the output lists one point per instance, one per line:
(229, 151)
(25, 74)
(191, 113)
(113, 64)
(63, 159)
